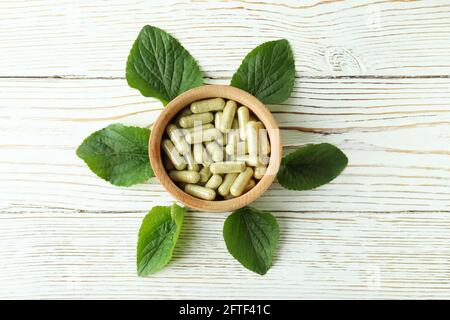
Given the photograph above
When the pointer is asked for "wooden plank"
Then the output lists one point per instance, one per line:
(50, 253)
(395, 132)
(93, 38)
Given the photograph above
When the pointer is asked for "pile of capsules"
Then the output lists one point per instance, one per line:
(214, 150)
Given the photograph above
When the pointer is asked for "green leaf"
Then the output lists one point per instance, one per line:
(159, 66)
(251, 237)
(311, 166)
(267, 72)
(157, 238)
(118, 154)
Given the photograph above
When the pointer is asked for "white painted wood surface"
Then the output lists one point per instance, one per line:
(373, 78)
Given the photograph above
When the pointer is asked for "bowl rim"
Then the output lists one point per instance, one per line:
(214, 91)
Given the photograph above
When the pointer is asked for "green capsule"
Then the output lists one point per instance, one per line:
(214, 150)
(263, 138)
(238, 186)
(201, 156)
(228, 180)
(250, 185)
(217, 119)
(228, 116)
(249, 160)
(170, 150)
(260, 171)
(200, 135)
(207, 159)
(198, 151)
(243, 115)
(192, 165)
(200, 192)
(177, 137)
(205, 174)
(214, 182)
(185, 176)
(214, 104)
(233, 134)
(182, 113)
(196, 119)
(236, 149)
(252, 138)
(227, 167)
(198, 128)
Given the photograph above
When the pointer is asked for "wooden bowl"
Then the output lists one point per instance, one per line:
(205, 92)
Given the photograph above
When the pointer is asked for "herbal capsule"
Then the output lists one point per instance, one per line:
(201, 156)
(250, 185)
(214, 104)
(233, 133)
(198, 151)
(252, 138)
(238, 186)
(228, 115)
(196, 119)
(198, 128)
(220, 140)
(191, 163)
(227, 167)
(249, 160)
(184, 176)
(217, 119)
(177, 138)
(224, 188)
(223, 137)
(264, 144)
(207, 160)
(205, 174)
(243, 115)
(200, 192)
(184, 112)
(214, 182)
(170, 150)
(236, 149)
(215, 151)
(259, 172)
(200, 135)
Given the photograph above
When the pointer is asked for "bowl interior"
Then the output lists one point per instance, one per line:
(205, 92)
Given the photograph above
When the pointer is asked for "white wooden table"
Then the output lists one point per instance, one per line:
(373, 77)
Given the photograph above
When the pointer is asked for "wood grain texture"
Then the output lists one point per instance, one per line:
(93, 38)
(65, 254)
(373, 78)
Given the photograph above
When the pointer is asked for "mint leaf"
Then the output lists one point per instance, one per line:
(267, 72)
(157, 238)
(159, 66)
(118, 154)
(251, 237)
(311, 166)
